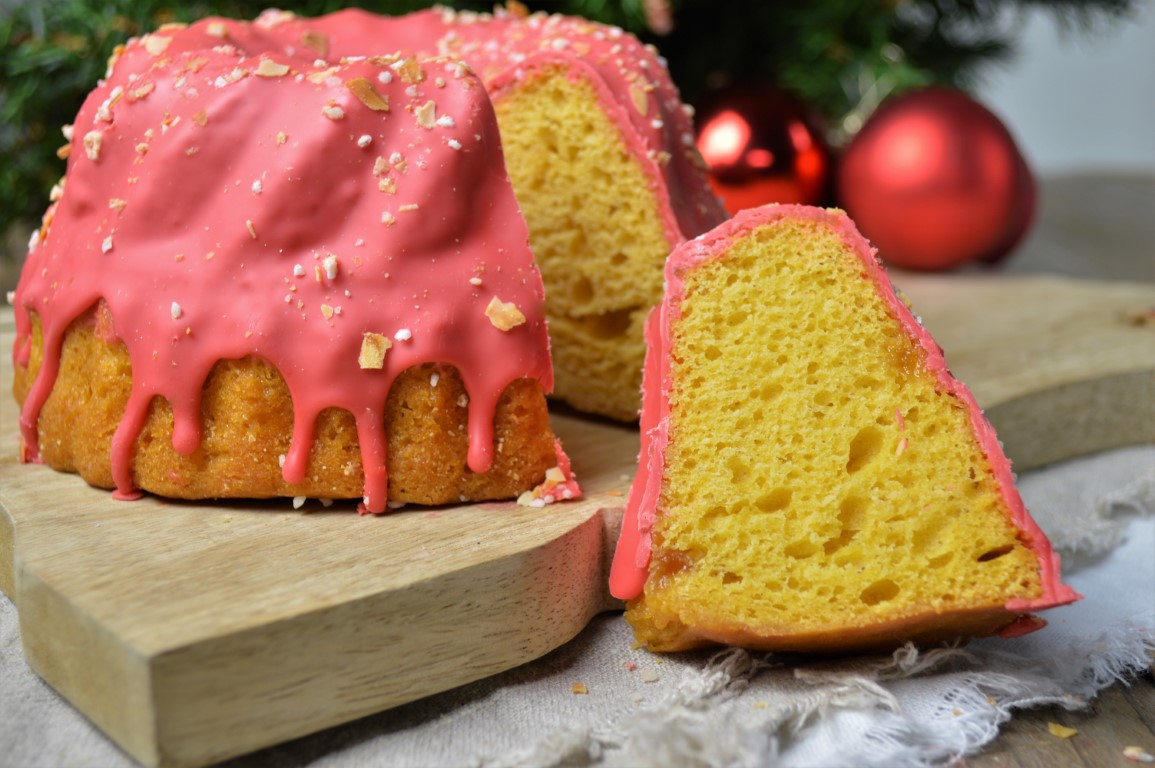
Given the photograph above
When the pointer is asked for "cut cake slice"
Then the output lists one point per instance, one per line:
(812, 477)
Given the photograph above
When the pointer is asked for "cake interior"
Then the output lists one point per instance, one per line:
(816, 479)
(596, 234)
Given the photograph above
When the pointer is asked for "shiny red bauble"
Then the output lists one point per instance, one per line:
(761, 146)
(934, 180)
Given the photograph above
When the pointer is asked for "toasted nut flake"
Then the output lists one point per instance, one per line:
(329, 264)
(503, 314)
(156, 44)
(200, 118)
(373, 349)
(426, 115)
(270, 68)
(252, 229)
(408, 208)
(333, 112)
(380, 166)
(282, 137)
(364, 90)
(137, 94)
(216, 29)
(64, 152)
(388, 186)
(327, 311)
(1138, 754)
(639, 97)
(315, 41)
(117, 204)
(319, 76)
(92, 141)
(409, 70)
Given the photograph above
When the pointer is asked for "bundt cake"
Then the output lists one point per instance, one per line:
(812, 477)
(269, 272)
(601, 153)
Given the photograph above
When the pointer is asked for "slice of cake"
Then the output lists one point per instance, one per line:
(812, 477)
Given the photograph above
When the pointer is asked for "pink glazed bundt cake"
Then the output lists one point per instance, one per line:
(272, 271)
(601, 153)
(812, 477)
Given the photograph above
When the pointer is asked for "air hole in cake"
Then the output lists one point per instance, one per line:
(608, 325)
(618, 259)
(925, 537)
(879, 592)
(737, 317)
(941, 560)
(774, 501)
(739, 469)
(801, 549)
(712, 353)
(583, 290)
(995, 554)
(769, 391)
(731, 578)
(852, 512)
(864, 448)
(824, 398)
(838, 542)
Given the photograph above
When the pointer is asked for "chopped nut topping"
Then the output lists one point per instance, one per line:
(257, 187)
(638, 95)
(388, 219)
(216, 29)
(270, 68)
(176, 311)
(408, 208)
(426, 115)
(333, 111)
(364, 90)
(106, 245)
(403, 335)
(475, 280)
(315, 41)
(373, 349)
(252, 229)
(503, 314)
(156, 44)
(92, 141)
(64, 152)
(364, 140)
(329, 264)
(145, 89)
(454, 144)
(116, 204)
(200, 118)
(282, 137)
(320, 76)
(327, 311)
(388, 186)
(409, 70)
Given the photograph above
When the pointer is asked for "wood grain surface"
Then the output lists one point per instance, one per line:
(193, 632)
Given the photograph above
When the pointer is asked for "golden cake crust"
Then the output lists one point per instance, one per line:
(247, 422)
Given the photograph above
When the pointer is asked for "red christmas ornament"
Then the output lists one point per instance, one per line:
(935, 180)
(762, 147)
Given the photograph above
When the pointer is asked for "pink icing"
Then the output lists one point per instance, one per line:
(221, 212)
(631, 560)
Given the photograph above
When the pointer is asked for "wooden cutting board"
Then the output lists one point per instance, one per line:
(190, 633)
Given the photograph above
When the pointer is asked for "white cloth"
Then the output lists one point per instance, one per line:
(733, 708)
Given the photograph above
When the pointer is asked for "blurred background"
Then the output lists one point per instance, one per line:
(813, 102)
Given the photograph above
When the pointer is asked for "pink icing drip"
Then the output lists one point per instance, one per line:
(226, 214)
(628, 574)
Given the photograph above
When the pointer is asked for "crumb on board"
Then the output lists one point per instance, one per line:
(1061, 731)
(579, 689)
